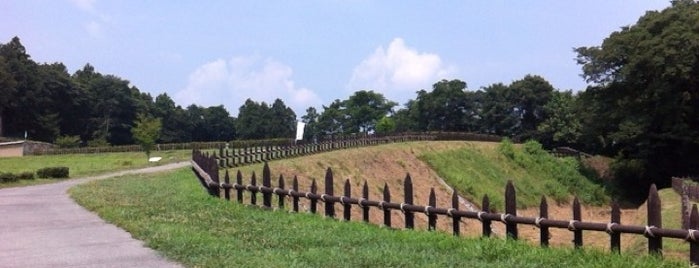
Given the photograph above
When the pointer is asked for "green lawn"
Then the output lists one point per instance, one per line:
(172, 214)
(81, 165)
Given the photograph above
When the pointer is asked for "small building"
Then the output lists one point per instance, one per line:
(22, 148)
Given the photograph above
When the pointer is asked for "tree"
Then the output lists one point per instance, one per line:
(645, 85)
(562, 125)
(498, 113)
(333, 119)
(176, 127)
(311, 119)
(146, 131)
(7, 89)
(517, 109)
(448, 107)
(385, 125)
(363, 109)
(531, 94)
(281, 121)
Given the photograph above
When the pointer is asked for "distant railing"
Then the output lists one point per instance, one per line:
(234, 157)
(568, 152)
(206, 170)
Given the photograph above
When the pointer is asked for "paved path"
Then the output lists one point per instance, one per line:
(41, 226)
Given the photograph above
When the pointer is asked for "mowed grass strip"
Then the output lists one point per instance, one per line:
(82, 165)
(172, 214)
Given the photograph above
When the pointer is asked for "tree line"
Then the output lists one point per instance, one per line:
(641, 106)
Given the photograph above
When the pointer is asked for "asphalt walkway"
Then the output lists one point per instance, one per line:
(41, 226)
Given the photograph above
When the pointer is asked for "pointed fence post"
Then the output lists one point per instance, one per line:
(544, 233)
(655, 244)
(365, 208)
(693, 243)
(239, 182)
(408, 195)
(314, 201)
(386, 211)
(227, 186)
(346, 206)
(615, 237)
(487, 229)
(295, 199)
(577, 217)
(510, 210)
(329, 191)
(455, 219)
(431, 217)
(266, 182)
(281, 196)
(253, 193)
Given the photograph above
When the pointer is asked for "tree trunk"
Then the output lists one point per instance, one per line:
(1, 133)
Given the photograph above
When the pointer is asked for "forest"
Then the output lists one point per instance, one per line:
(641, 105)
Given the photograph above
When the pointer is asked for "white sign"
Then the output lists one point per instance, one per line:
(299, 130)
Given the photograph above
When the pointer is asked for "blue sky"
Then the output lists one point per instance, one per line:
(309, 53)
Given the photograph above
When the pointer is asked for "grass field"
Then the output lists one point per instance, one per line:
(172, 214)
(81, 165)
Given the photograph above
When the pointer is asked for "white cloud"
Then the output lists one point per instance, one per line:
(399, 71)
(232, 82)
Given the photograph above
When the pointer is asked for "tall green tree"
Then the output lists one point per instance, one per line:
(311, 119)
(7, 89)
(333, 119)
(645, 85)
(251, 120)
(363, 109)
(146, 132)
(531, 94)
(176, 127)
(562, 125)
(281, 121)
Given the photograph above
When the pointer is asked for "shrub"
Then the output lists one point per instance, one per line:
(507, 148)
(26, 176)
(67, 141)
(53, 172)
(8, 177)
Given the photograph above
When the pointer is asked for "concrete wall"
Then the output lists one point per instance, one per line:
(11, 149)
(21, 148)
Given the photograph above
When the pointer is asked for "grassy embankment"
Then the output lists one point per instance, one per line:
(477, 170)
(172, 213)
(81, 165)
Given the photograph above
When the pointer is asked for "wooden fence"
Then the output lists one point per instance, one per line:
(206, 170)
(235, 157)
(568, 152)
(688, 190)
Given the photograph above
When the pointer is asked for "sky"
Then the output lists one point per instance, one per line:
(309, 53)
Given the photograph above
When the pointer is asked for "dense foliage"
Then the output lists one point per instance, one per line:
(643, 105)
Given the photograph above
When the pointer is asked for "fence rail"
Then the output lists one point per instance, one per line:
(206, 170)
(229, 158)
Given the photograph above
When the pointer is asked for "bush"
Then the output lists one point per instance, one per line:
(26, 176)
(8, 177)
(53, 172)
(67, 141)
